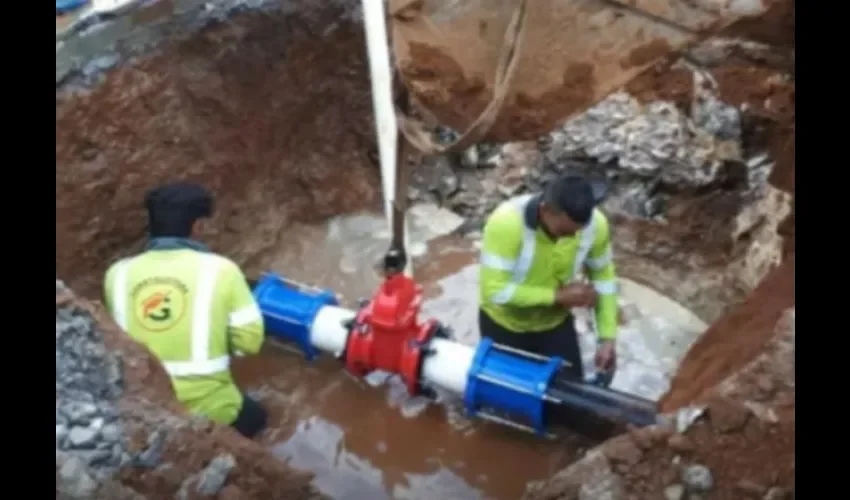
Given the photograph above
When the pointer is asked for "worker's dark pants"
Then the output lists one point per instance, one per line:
(251, 419)
(559, 341)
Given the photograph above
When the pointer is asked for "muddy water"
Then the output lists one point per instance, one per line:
(366, 438)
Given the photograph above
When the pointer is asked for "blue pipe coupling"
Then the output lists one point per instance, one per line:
(511, 381)
(289, 309)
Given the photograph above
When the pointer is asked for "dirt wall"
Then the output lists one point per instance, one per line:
(572, 55)
(740, 336)
(740, 447)
(263, 110)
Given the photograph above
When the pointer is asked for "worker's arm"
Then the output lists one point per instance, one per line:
(500, 253)
(600, 268)
(245, 321)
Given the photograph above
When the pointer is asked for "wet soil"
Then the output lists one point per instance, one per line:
(733, 341)
(571, 56)
(234, 107)
(775, 27)
(726, 344)
(746, 439)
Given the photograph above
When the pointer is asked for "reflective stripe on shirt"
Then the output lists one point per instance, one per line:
(522, 265)
(597, 263)
(519, 268)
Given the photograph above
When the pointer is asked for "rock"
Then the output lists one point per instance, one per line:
(79, 413)
(589, 478)
(414, 194)
(102, 458)
(76, 480)
(152, 455)
(674, 492)
(680, 443)
(697, 478)
(492, 161)
(82, 437)
(762, 412)
(111, 432)
(642, 438)
(726, 415)
(765, 387)
(685, 417)
(622, 450)
(647, 437)
(715, 117)
(777, 493)
(61, 433)
(212, 479)
(751, 488)
(470, 157)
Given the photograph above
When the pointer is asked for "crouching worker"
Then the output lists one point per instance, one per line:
(534, 249)
(191, 308)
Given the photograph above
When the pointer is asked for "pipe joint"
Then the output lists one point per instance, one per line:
(290, 311)
(511, 382)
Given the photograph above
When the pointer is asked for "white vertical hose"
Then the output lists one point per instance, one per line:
(382, 102)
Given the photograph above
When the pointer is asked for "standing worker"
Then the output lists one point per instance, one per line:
(191, 308)
(534, 249)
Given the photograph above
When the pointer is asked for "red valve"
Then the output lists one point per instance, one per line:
(387, 334)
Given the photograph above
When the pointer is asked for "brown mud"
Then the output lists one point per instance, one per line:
(280, 128)
(572, 55)
(733, 341)
(724, 348)
(746, 440)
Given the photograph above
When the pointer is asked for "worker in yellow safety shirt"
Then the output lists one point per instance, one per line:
(535, 249)
(191, 308)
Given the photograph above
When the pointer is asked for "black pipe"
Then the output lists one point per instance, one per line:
(566, 396)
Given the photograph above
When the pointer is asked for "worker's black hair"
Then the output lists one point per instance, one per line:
(573, 195)
(174, 208)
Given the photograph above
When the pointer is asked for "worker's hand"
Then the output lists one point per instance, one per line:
(606, 356)
(576, 295)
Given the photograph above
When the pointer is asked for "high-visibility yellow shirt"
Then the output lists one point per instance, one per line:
(522, 267)
(192, 309)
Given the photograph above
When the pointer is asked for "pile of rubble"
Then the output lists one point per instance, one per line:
(90, 443)
(649, 152)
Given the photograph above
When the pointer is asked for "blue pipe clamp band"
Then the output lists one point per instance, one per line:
(65, 6)
(510, 382)
(289, 310)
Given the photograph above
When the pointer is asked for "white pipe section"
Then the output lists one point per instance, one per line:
(377, 47)
(448, 367)
(327, 331)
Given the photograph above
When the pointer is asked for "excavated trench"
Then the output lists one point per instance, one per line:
(271, 110)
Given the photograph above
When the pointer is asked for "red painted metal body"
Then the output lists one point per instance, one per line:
(387, 334)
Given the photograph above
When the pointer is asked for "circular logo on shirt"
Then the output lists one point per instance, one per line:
(159, 303)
